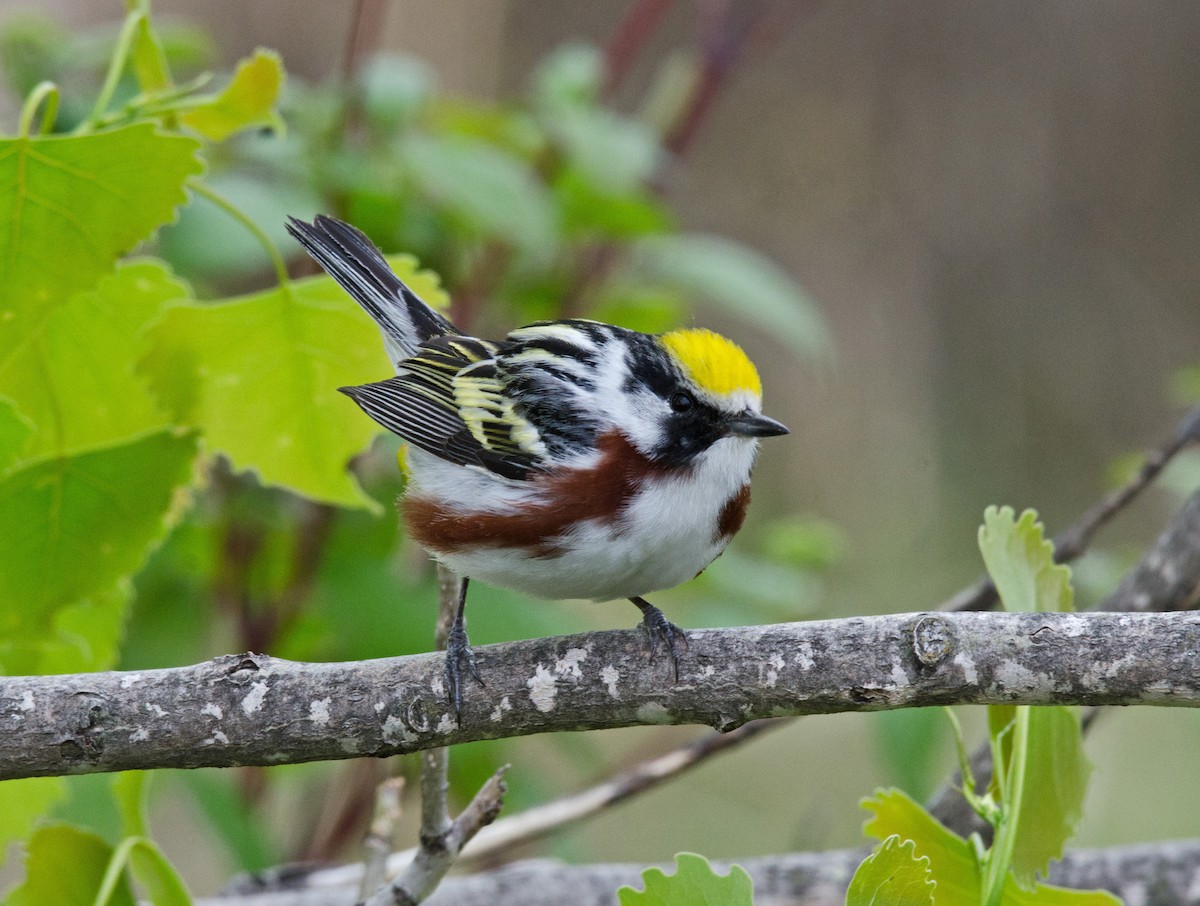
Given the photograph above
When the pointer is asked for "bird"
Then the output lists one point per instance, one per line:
(571, 459)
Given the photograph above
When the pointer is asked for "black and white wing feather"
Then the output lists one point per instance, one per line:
(448, 401)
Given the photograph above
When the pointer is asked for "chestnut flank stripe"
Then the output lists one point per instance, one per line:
(569, 495)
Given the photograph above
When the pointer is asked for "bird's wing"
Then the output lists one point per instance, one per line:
(448, 401)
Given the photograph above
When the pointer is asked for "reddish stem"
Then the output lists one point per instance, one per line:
(634, 30)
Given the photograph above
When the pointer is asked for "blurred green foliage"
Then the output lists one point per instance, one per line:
(179, 478)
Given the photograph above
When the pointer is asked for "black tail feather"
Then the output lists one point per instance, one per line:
(354, 262)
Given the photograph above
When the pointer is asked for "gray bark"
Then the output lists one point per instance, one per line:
(1165, 874)
(253, 709)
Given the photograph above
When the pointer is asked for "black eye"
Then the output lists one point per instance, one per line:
(682, 402)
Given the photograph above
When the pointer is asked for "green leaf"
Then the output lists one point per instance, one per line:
(152, 870)
(1001, 722)
(693, 884)
(14, 431)
(74, 526)
(909, 743)
(1056, 777)
(892, 876)
(742, 282)
(395, 88)
(259, 375)
(69, 205)
(590, 209)
(248, 100)
(615, 154)
(952, 862)
(66, 865)
(149, 59)
(83, 636)
(570, 76)
(129, 791)
(494, 191)
(74, 377)
(22, 802)
(1021, 562)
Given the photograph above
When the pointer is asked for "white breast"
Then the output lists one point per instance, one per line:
(664, 537)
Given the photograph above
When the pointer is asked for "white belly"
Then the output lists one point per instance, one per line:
(661, 539)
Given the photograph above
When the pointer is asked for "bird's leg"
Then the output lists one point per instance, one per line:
(661, 632)
(458, 652)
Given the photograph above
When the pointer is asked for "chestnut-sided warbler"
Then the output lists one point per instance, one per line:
(572, 459)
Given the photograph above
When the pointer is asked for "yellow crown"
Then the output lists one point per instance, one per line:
(712, 362)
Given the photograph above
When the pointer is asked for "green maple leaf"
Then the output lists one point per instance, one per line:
(259, 375)
(693, 884)
(65, 865)
(248, 100)
(74, 526)
(1021, 562)
(892, 876)
(74, 377)
(14, 431)
(70, 205)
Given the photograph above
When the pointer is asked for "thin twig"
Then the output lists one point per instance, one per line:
(1072, 542)
(418, 880)
(381, 837)
(435, 763)
(537, 822)
(363, 36)
(541, 820)
(723, 41)
(635, 29)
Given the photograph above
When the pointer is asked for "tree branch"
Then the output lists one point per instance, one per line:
(1166, 874)
(1168, 575)
(254, 709)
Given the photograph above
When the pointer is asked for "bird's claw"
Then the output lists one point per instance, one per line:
(458, 653)
(662, 633)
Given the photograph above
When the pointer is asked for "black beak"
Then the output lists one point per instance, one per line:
(749, 424)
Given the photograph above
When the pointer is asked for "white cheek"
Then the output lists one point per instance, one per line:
(640, 415)
(645, 421)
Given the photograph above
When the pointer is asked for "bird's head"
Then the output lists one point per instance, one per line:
(707, 391)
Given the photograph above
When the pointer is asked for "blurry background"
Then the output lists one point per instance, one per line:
(996, 208)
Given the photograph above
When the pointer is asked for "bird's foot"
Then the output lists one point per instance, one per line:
(661, 633)
(458, 655)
